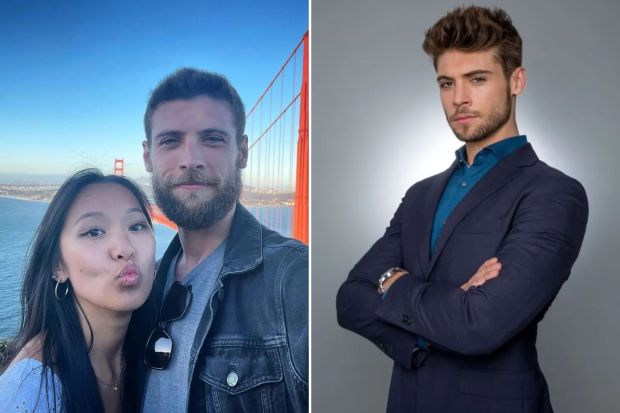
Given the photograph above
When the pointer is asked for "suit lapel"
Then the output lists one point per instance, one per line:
(428, 214)
(497, 177)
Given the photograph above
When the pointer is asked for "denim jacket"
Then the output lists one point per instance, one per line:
(250, 353)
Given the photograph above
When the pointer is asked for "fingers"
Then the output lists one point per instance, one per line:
(488, 266)
(486, 273)
(488, 270)
(465, 286)
(489, 262)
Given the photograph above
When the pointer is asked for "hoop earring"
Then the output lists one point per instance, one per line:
(66, 290)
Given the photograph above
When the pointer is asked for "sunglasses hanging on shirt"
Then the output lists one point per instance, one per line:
(159, 345)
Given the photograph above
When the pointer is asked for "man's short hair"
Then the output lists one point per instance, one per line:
(473, 29)
(188, 83)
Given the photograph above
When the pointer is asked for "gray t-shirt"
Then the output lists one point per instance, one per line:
(167, 390)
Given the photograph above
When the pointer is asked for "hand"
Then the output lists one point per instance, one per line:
(392, 279)
(489, 269)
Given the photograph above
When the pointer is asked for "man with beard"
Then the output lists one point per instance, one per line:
(474, 256)
(230, 329)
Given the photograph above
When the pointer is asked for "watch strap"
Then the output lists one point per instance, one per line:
(387, 275)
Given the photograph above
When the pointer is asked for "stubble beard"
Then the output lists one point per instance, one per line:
(497, 119)
(193, 213)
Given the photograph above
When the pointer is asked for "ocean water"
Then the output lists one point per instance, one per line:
(19, 220)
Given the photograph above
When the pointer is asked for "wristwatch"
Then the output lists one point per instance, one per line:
(387, 275)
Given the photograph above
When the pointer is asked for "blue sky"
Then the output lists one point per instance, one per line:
(75, 75)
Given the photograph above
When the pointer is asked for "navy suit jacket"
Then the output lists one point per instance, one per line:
(482, 356)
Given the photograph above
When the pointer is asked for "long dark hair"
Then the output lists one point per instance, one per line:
(64, 349)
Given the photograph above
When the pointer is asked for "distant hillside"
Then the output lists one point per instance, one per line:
(21, 179)
(18, 179)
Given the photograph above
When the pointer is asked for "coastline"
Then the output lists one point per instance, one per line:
(23, 198)
(46, 200)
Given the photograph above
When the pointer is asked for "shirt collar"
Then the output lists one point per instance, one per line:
(244, 245)
(492, 153)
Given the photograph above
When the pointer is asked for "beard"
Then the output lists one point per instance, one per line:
(193, 212)
(496, 120)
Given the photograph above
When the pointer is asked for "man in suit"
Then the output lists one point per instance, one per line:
(454, 290)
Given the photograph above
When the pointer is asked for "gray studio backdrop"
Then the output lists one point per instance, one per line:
(378, 127)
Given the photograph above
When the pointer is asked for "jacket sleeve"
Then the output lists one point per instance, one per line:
(358, 300)
(536, 255)
(294, 295)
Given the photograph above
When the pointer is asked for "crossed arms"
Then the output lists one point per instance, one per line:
(489, 269)
(479, 316)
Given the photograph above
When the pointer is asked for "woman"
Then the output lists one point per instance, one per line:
(91, 265)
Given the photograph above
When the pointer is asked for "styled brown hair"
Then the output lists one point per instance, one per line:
(473, 29)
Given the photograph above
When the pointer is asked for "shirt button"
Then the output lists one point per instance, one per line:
(232, 379)
(405, 319)
(463, 183)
